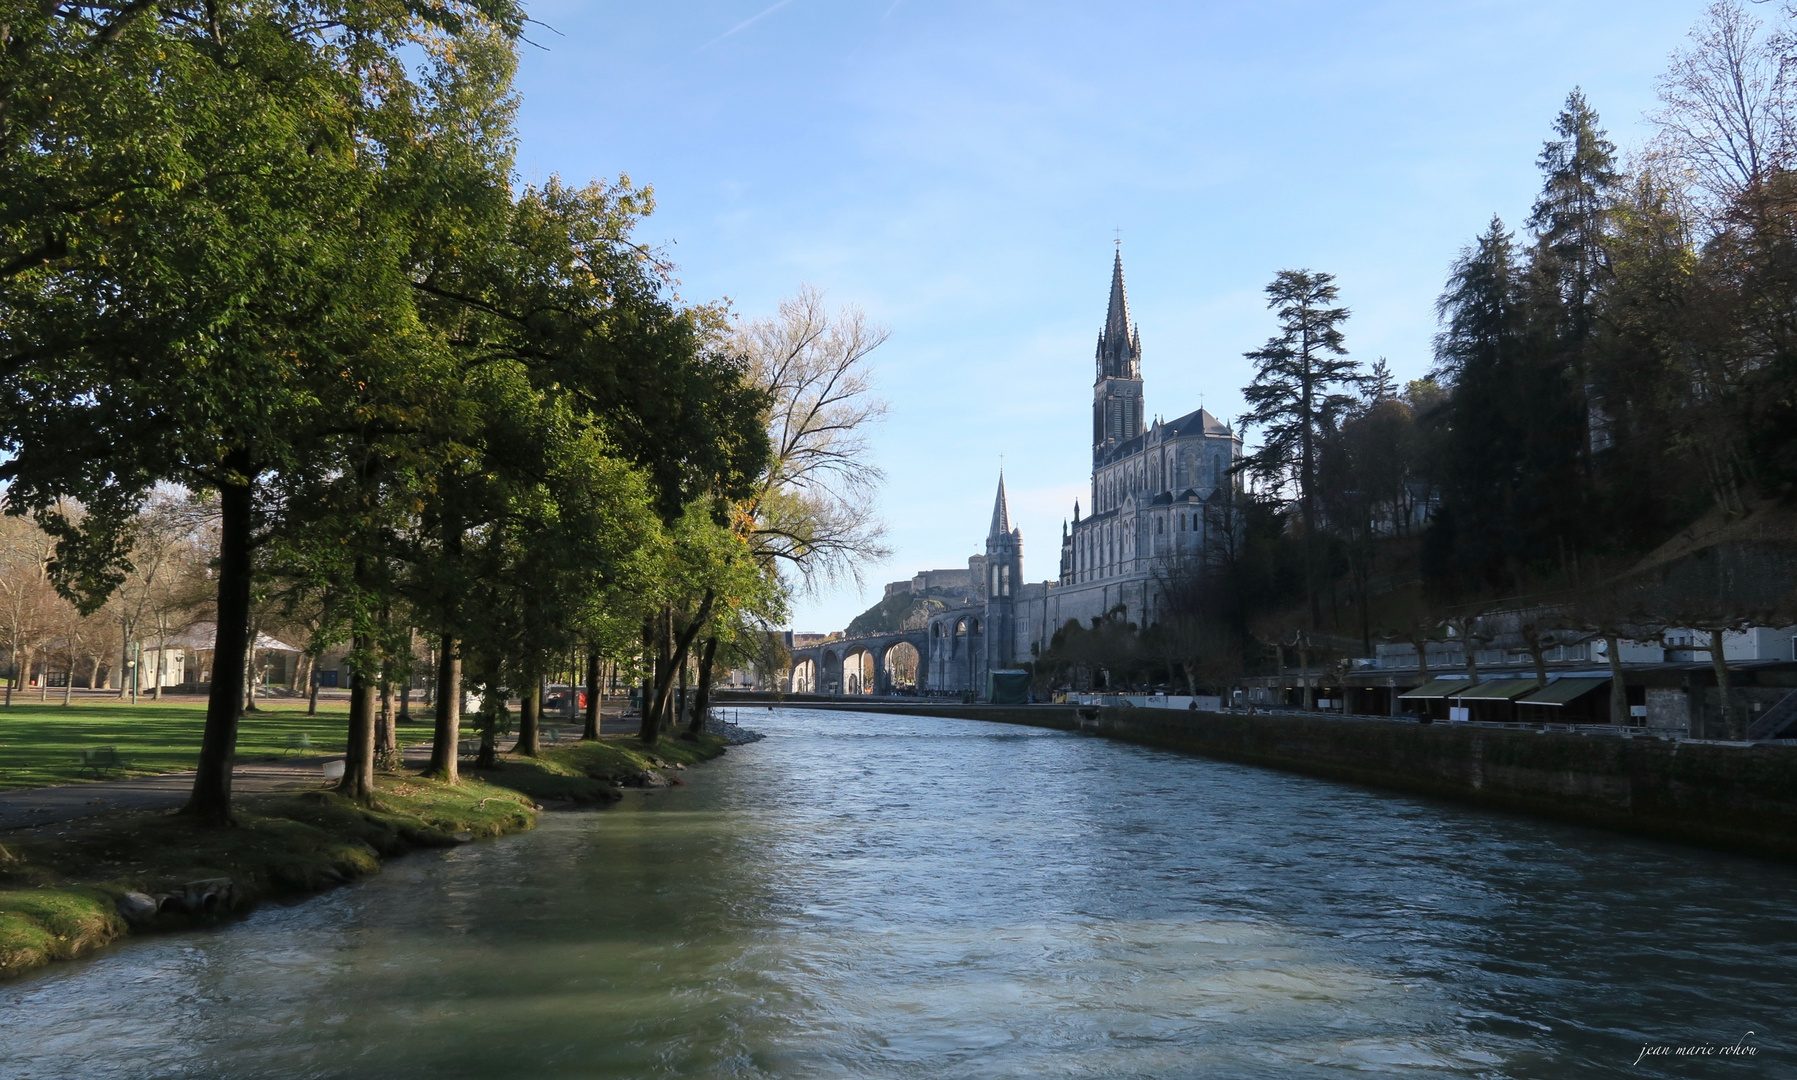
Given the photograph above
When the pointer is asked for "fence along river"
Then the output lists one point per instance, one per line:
(887, 896)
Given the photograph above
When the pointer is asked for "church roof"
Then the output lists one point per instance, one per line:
(1001, 514)
(1198, 422)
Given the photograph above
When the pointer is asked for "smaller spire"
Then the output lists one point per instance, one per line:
(1001, 514)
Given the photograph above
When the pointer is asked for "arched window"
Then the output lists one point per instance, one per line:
(973, 626)
(1005, 580)
(1217, 471)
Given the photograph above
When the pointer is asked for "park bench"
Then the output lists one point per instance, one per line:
(299, 741)
(100, 759)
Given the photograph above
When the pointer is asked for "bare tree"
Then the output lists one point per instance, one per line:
(167, 585)
(1728, 104)
(814, 514)
(29, 606)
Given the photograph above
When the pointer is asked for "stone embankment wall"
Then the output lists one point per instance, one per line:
(1738, 797)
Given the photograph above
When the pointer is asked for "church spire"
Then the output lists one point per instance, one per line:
(1001, 514)
(1119, 346)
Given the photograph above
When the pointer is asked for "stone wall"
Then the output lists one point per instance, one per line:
(1736, 797)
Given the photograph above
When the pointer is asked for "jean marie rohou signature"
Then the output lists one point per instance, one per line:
(1739, 1048)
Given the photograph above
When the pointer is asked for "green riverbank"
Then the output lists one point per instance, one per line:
(69, 888)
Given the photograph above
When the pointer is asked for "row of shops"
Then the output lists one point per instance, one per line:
(1670, 697)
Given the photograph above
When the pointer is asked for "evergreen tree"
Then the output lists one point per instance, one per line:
(1479, 354)
(1301, 379)
(1572, 215)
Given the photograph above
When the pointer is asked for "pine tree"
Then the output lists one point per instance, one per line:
(1572, 213)
(1380, 386)
(1301, 379)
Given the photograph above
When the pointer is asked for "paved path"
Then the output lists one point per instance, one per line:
(39, 806)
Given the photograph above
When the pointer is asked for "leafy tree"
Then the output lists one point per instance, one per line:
(216, 326)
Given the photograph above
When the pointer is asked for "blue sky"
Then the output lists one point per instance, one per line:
(958, 170)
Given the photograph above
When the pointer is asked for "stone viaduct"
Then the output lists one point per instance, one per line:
(819, 668)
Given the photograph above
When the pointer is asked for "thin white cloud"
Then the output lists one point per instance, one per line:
(746, 23)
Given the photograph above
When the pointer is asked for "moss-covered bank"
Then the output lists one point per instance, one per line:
(67, 889)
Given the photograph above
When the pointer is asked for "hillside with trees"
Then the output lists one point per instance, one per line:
(1605, 443)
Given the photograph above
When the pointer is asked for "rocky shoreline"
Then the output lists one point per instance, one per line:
(733, 734)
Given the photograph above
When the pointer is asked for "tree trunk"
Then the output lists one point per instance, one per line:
(358, 762)
(702, 692)
(1619, 692)
(386, 739)
(1724, 689)
(665, 672)
(68, 686)
(93, 673)
(489, 732)
(680, 700)
(1538, 653)
(591, 731)
(124, 658)
(249, 672)
(211, 798)
(656, 647)
(405, 690)
(530, 705)
(1310, 698)
(312, 686)
(446, 739)
(1420, 644)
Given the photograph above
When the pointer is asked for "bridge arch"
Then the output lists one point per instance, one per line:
(902, 664)
(804, 676)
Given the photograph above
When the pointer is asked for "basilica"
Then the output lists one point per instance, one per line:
(1156, 493)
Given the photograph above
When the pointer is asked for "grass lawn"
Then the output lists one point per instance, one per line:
(41, 744)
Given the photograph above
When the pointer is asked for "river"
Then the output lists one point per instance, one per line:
(877, 896)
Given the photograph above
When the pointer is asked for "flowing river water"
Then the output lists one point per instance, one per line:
(879, 896)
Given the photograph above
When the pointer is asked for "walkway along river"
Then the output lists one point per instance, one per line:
(887, 896)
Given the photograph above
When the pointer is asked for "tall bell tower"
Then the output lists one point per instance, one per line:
(1004, 580)
(1117, 393)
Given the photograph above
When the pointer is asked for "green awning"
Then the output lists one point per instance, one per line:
(1438, 688)
(1562, 691)
(1497, 689)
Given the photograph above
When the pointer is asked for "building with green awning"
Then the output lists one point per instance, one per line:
(1568, 700)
